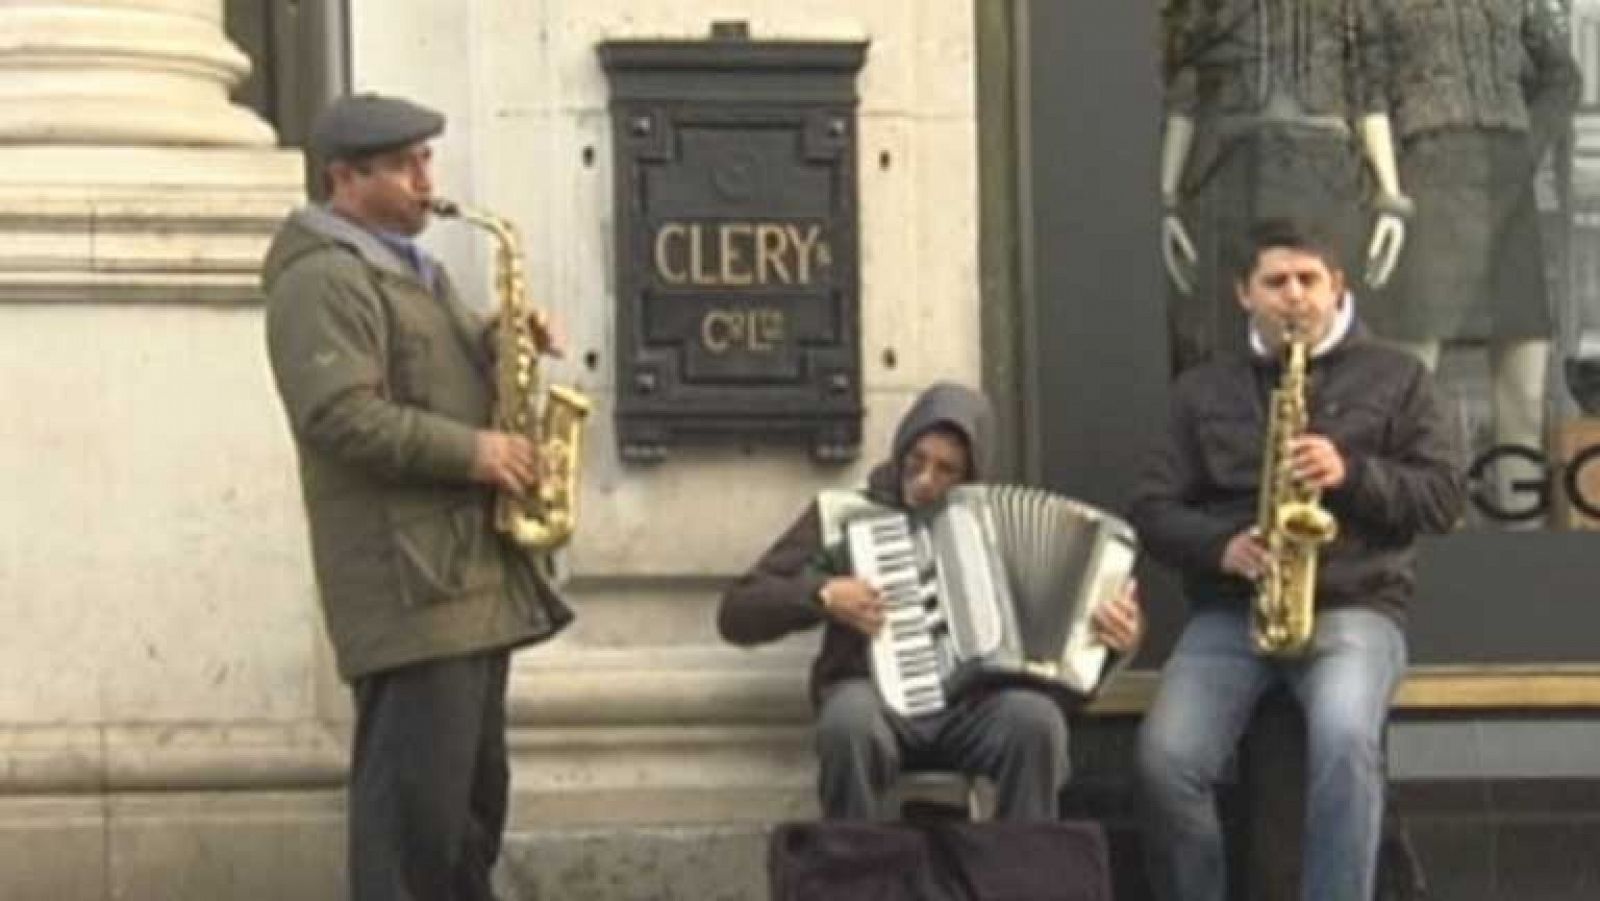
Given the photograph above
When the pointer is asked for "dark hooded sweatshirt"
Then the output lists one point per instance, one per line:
(779, 595)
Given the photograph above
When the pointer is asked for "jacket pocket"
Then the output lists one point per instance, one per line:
(411, 371)
(1355, 426)
(1231, 449)
(444, 554)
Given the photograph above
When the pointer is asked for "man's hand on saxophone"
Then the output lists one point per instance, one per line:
(546, 334)
(1245, 556)
(507, 461)
(1317, 462)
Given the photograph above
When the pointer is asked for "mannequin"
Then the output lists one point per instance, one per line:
(1274, 107)
(1388, 231)
(1474, 121)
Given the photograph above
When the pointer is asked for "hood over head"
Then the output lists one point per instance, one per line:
(947, 404)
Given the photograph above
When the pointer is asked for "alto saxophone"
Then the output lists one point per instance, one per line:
(544, 517)
(1291, 521)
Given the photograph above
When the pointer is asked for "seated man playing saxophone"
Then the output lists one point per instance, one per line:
(1016, 736)
(1378, 450)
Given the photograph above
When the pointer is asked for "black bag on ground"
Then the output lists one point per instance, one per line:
(843, 861)
(939, 861)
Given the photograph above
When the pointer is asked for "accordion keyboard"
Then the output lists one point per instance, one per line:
(905, 654)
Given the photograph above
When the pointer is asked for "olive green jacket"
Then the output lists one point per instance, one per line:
(385, 383)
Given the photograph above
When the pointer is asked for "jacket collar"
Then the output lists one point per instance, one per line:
(367, 245)
(1344, 327)
(380, 255)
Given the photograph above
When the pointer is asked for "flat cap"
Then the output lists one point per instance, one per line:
(361, 124)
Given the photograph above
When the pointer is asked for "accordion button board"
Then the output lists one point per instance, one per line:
(905, 657)
(998, 583)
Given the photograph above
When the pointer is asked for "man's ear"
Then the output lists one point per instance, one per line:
(336, 173)
(340, 176)
(1336, 281)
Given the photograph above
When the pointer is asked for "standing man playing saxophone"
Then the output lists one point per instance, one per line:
(1379, 448)
(388, 385)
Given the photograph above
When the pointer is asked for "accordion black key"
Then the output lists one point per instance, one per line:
(997, 583)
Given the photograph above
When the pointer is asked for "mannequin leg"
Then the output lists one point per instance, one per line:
(1517, 371)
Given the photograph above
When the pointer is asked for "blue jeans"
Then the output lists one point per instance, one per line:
(1208, 689)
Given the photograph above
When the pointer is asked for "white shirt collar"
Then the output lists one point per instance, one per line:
(1342, 322)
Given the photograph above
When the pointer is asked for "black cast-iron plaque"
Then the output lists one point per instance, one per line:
(736, 243)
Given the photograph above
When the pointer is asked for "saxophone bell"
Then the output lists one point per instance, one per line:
(1307, 523)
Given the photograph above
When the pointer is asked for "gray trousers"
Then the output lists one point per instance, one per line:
(428, 780)
(1015, 736)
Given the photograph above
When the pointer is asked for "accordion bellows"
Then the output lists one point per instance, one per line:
(997, 583)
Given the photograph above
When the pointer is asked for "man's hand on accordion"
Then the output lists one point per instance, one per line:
(852, 602)
(1120, 622)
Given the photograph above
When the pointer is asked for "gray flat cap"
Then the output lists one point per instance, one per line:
(361, 124)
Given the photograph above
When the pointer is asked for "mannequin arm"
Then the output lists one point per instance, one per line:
(1392, 205)
(1177, 250)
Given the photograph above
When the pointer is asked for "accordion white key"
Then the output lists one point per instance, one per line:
(997, 583)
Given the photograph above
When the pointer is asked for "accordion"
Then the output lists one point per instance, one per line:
(996, 583)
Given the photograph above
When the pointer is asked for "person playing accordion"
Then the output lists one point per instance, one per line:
(1014, 734)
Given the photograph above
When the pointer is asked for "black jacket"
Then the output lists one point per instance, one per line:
(1378, 406)
(779, 594)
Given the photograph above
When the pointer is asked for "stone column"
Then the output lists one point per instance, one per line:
(122, 72)
(125, 171)
(157, 672)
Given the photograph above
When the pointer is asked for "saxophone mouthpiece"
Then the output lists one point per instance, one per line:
(440, 206)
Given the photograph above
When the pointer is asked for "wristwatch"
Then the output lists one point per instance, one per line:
(823, 600)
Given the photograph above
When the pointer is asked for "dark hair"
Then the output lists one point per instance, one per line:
(1283, 234)
(361, 162)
